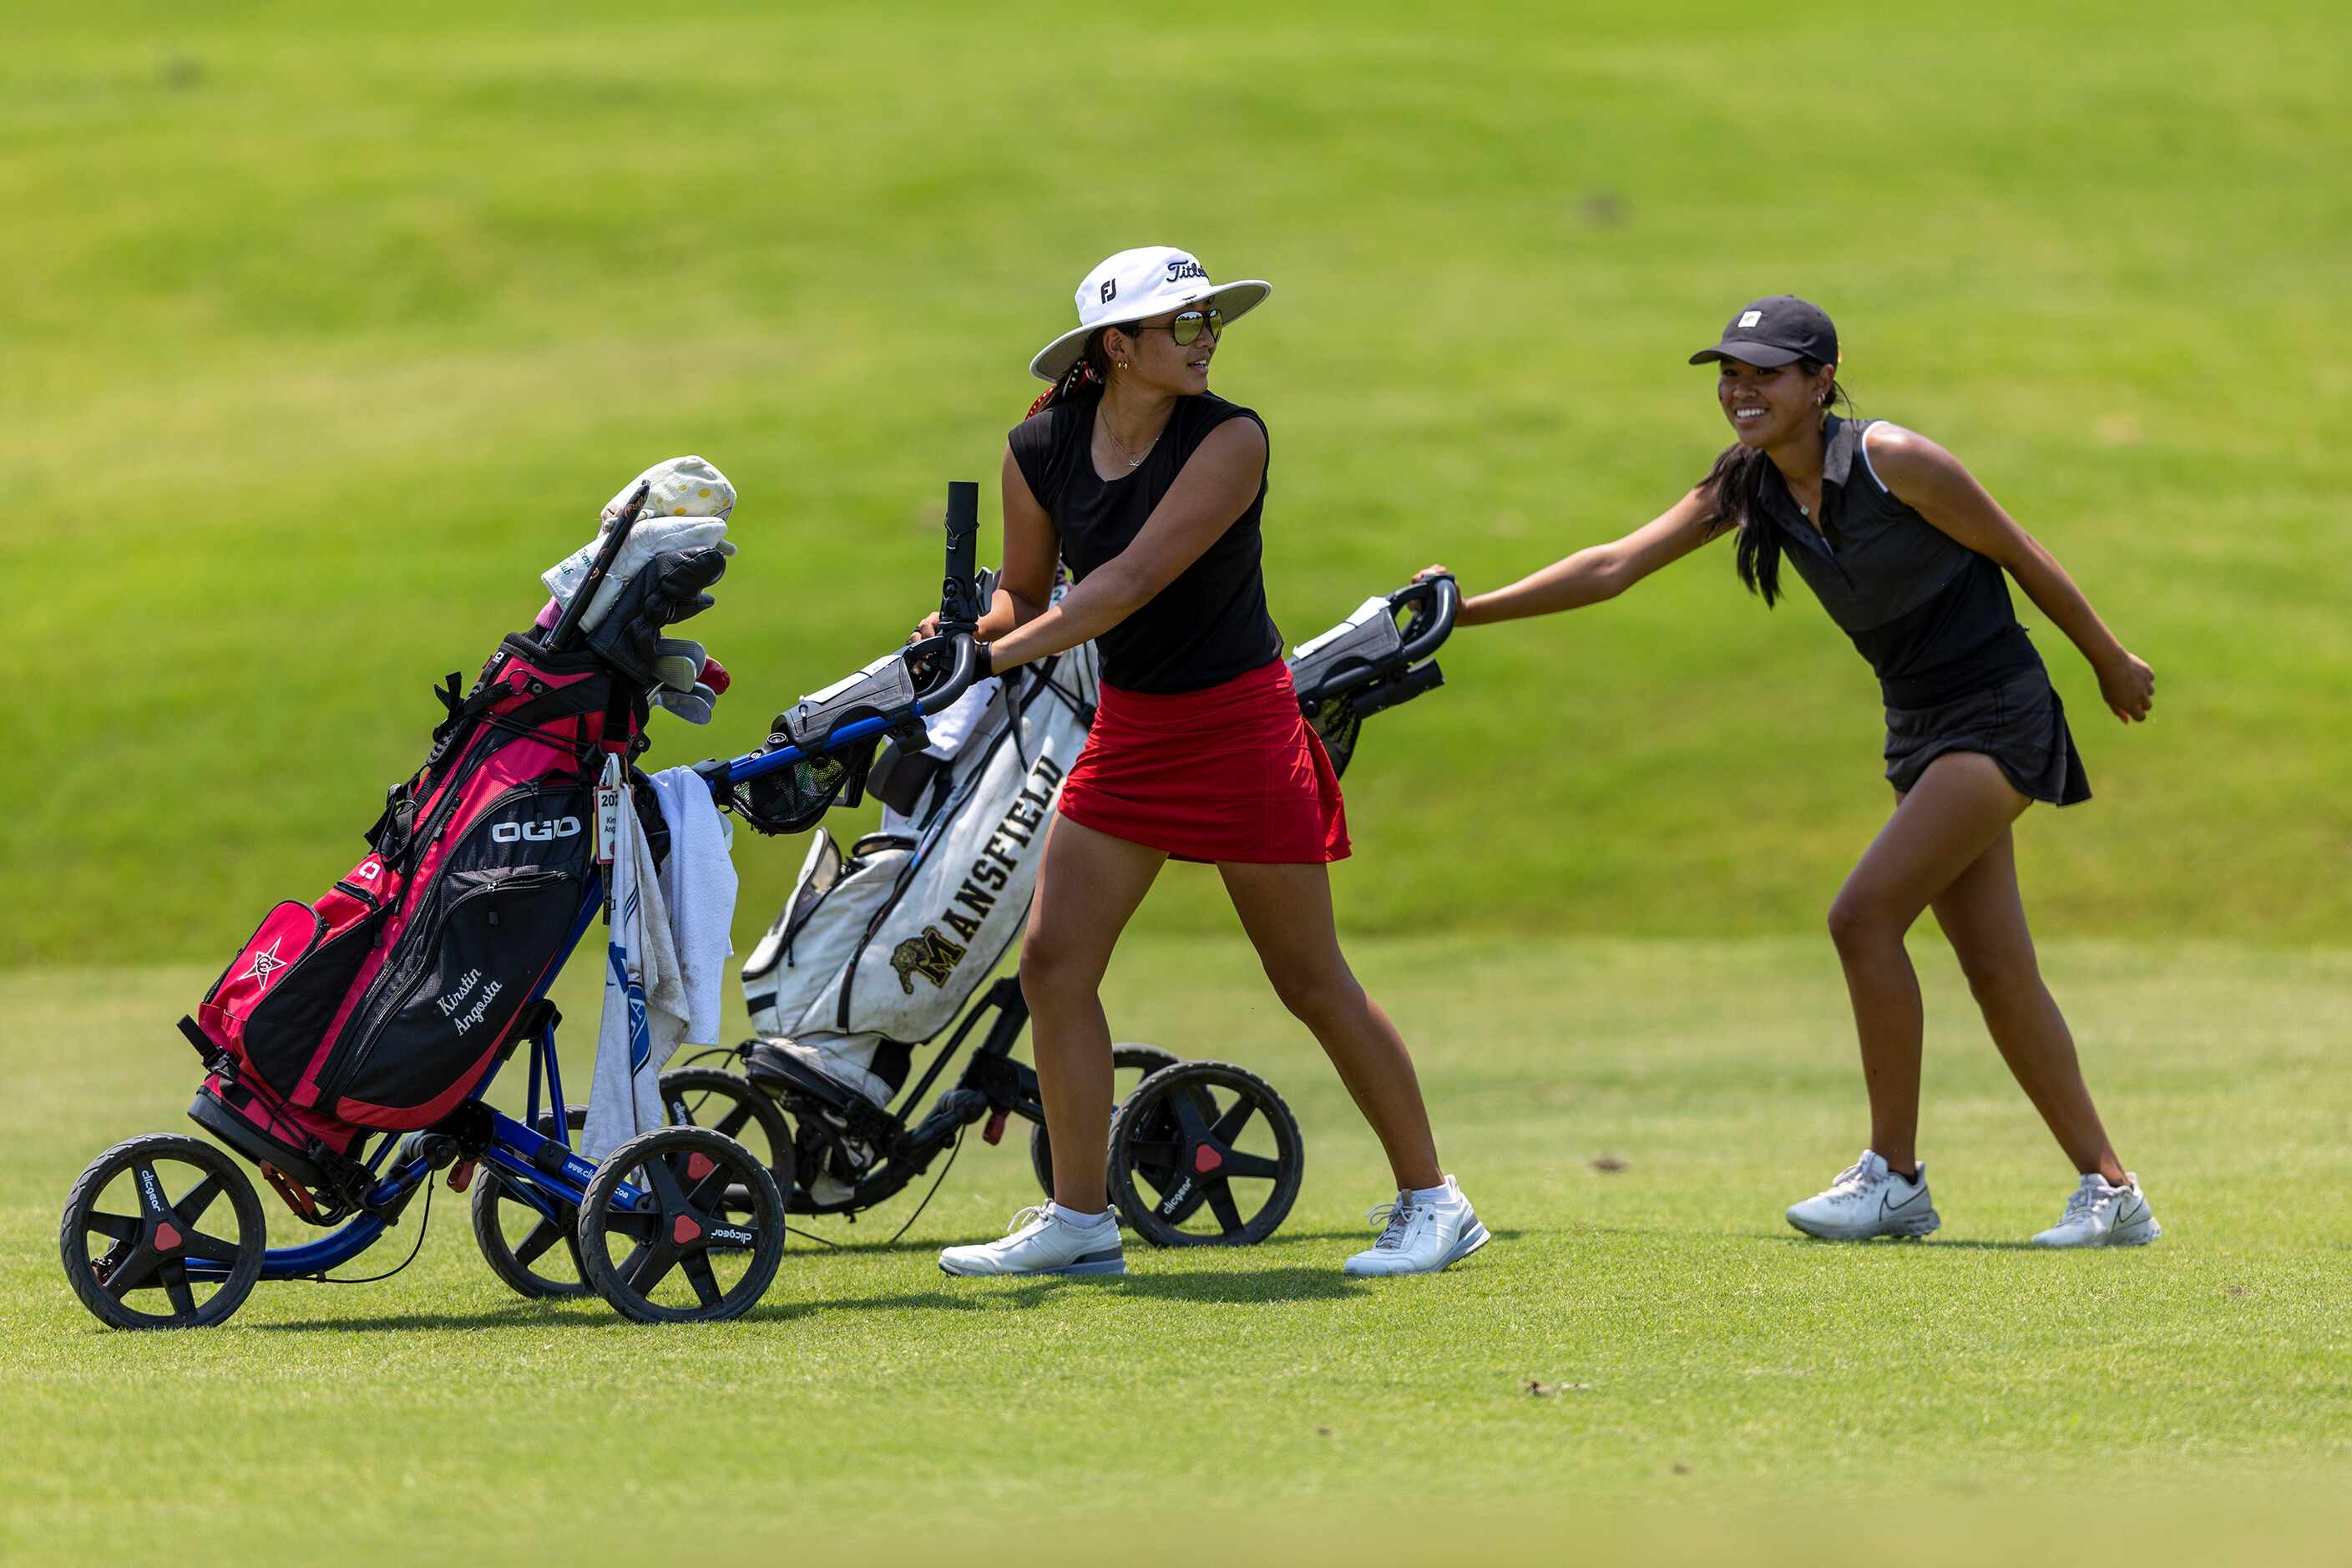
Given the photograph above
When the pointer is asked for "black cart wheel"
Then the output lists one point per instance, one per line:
(732, 1104)
(519, 1242)
(1204, 1154)
(700, 1242)
(1130, 1063)
(143, 1213)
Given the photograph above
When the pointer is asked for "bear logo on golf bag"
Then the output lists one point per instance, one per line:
(930, 955)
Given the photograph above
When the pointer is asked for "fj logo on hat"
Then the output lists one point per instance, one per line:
(1749, 318)
(1111, 289)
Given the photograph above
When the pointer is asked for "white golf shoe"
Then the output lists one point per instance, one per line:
(1868, 1199)
(1040, 1241)
(1420, 1235)
(2100, 1215)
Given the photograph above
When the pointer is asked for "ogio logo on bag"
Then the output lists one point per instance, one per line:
(930, 955)
(535, 832)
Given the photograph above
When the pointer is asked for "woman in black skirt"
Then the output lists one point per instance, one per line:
(1906, 552)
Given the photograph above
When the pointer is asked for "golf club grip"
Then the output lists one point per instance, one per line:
(614, 537)
(957, 593)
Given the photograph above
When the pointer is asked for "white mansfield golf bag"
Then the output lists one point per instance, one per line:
(878, 949)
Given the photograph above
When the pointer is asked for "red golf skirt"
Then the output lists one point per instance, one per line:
(1231, 772)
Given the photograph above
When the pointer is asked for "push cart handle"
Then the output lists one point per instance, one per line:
(960, 602)
(956, 656)
(1434, 601)
(952, 653)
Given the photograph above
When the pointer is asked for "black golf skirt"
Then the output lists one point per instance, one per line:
(2018, 722)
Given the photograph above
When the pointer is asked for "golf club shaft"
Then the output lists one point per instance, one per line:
(569, 621)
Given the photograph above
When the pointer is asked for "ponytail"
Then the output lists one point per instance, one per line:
(1077, 375)
(1092, 367)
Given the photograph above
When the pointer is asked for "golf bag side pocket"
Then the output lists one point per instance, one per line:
(480, 962)
(483, 930)
(274, 1002)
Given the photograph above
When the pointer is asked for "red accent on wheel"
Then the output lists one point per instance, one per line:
(1205, 1159)
(698, 1167)
(684, 1230)
(166, 1238)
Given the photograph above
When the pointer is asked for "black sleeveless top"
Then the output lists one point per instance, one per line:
(1208, 625)
(1932, 616)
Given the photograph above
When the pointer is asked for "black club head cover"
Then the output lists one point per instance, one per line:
(669, 589)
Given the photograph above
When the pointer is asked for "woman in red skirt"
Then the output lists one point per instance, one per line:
(1150, 487)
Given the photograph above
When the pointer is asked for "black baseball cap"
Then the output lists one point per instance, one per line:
(1780, 328)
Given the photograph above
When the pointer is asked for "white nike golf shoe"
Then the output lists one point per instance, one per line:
(2100, 1215)
(1868, 1199)
(1420, 1235)
(1041, 1241)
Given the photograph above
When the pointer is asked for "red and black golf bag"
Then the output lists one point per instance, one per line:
(381, 1004)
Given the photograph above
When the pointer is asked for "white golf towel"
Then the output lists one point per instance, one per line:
(666, 957)
(698, 889)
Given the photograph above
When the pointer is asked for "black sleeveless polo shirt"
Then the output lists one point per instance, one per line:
(1208, 625)
(1933, 617)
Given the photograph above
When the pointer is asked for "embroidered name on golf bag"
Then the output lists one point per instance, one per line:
(383, 1003)
(938, 899)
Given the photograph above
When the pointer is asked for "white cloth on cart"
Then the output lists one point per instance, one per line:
(948, 734)
(698, 889)
(665, 956)
(645, 994)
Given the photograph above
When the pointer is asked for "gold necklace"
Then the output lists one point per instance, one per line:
(1112, 438)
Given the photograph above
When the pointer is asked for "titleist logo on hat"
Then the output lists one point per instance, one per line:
(1146, 281)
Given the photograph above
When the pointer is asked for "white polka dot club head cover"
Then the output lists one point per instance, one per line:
(682, 487)
(686, 509)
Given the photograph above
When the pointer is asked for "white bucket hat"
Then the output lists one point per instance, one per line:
(1149, 280)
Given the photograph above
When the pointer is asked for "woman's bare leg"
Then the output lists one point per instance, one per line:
(1286, 910)
(1087, 888)
(1984, 918)
(1962, 805)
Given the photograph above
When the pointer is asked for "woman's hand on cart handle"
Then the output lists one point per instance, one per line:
(1435, 600)
(1465, 612)
(945, 667)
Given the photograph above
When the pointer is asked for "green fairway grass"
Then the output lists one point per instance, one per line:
(1714, 1376)
(327, 328)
